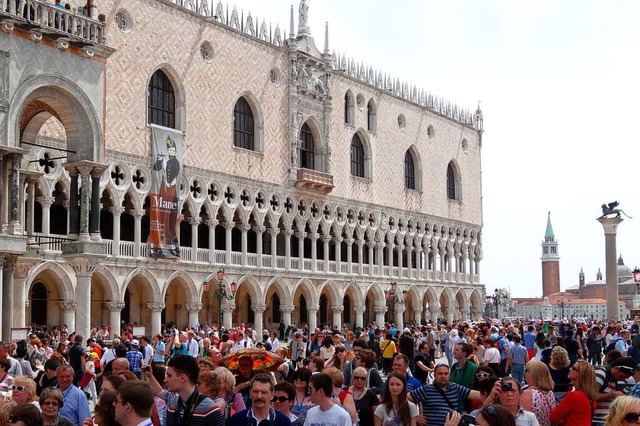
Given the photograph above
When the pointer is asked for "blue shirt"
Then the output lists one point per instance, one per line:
(134, 356)
(245, 417)
(529, 339)
(76, 406)
(157, 355)
(518, 354)
(435, 406)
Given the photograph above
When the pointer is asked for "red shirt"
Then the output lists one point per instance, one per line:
(575, 409)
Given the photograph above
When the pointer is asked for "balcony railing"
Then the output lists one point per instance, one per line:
(44, 19)
(314, 180)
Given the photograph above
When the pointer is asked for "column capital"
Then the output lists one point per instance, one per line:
(313, 309)
(337, 240)
(379, 309)
(259, 229)
(314, 236)
(337, 308)
(288, 232)
(229, 225)
(211, 222)
(360, 309)
(67, 305)
(138, 213)
(245, 227)
(349, 241)
(193, 307)
(274, 231)
(301, 235)
(116, 210)
(258, 308)
(228, 307)
(195, 221)
(155, 306)
(610, 224)
(326, 238)
(114, 306)
(287, 309)
(400, 247)
(82, 267)
(46, 201)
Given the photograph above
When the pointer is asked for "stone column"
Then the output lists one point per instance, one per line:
(286, 314)
(31, 198)
(360, 243)
(46, 203)
(137, 230)
(610, 226)
(448, 314)
(338, 250)
(195, 222)
(337, 315)
(19, 294)
(313, 317)
(464, 311)
(115, 308)
(258, 317)
(325, 240)
(259, 230)
(409, 261)
(380, 254)
(14, 226)
(274, 246)
(94, 222)
(228, 226)
(314, 251)
(193, 309)
(244, 229)
(116, 212)
(390, 258)
(2, 261)
(301, 236)
(379, 311)
(227, 313)
(349, 242)
(400, 249)
(68, 308)
(370, 246)
(83, 270)
(417, 315)
(85, 206)
(287, 249)
(156, 317)
(359, 311)
(7, 296)
(211, 223)
(399, 311)
(434, 312)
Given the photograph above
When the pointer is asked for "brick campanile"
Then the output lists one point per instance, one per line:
(550, 262)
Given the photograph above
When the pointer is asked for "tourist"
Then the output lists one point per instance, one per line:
(508, 393)
(559, 370)
(302, 400)
(577, 407)
(364, 398)
(606, 378)
(388, 351)
(104, 413)
(493, 415)
(51, 400)
(538, 397)
(260, 413)
(6, 379)
(233, 400)
(76, 405)
(283, 399)
(341, 397)
(624, 411)
(325, 412)
(367, 359)
(394, 406)
(24, 391)
(134, 404)
(25, 415)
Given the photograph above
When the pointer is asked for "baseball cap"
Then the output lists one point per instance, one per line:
(135, 342)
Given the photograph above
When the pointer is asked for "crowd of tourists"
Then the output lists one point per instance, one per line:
(485, 373)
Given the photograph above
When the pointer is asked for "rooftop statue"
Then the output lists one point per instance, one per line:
(611, 209)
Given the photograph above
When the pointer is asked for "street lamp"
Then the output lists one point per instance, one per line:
(497, 299)
(392, 297)
(220, 293)
(562, 305)
(636, 278)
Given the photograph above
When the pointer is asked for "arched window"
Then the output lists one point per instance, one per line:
(162, 101)
(307, 148)
(357, 156)
(451, 183)
(371, 116)
(409, 171)
(243, 127)
(349, 108)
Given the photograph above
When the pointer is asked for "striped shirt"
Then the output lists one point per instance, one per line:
(518, 355)
(206, 412)
(436, 405)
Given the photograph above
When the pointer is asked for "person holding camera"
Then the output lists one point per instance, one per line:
(507, 391)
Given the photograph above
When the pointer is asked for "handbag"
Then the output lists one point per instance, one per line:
(86, 378)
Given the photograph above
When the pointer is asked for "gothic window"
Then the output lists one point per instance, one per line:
(371, 116)
(349, 108)
(409, 171)
(451, 183)
(243, 126)
(161, 102)
(357, 156)
(307, 148)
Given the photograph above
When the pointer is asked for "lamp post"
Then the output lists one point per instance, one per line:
(498, 299)
(392, 297)
(220, 293)
(562, 305)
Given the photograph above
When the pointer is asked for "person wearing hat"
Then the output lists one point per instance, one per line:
(77, 358)
(90, 371)
(134, 356)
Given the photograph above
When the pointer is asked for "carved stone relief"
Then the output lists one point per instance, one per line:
(4, 81)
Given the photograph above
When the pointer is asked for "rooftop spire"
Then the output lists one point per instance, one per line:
(326, 38)
(548, 235)
(291, 33)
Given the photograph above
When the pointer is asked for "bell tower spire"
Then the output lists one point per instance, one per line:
(550, 261)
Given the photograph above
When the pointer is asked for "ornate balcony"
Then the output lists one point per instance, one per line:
(314, 180)
(65, 27)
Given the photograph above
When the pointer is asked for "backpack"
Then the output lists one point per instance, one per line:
(611, 346)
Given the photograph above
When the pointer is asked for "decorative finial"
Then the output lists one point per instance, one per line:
(303, 18)
(291, 23)
(326, 38)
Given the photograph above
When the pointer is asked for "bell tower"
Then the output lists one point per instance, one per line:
(550, 262)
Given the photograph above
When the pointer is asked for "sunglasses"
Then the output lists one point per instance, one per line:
(362, 378)
(340, 349)
(20, 388)
(632, 417)
(627, 369)
(482, 375)
(280, 399)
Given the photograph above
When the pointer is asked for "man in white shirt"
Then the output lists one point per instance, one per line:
(109, 354)
(147, 350)
(192, 344)
(242, 342)
(325, 412)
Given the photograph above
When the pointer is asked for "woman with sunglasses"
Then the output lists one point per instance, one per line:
(364, 398)
(301, 401)
(25, 415)
(538, 397)
(624, 411)
(577, 407)
(339, 358)
(24, 391)
(394, 405)
(51, 400)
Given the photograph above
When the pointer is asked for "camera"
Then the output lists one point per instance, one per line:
(467, 420)
(506, 387)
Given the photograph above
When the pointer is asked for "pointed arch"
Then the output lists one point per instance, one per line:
(149, 282)
(454, 184)
(281, 289)
(349, 107)
(372, 116)
(187, 282)
(361, 155)
(248, 123)
(306, 286)
(58, 275)
(179, 94)
(378, 294)
(416, 297)
(253, 287)
(334, 292)
(110, 280)
(412, 169)
(352, 288)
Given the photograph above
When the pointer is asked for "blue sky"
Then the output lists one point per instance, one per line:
(559, 88)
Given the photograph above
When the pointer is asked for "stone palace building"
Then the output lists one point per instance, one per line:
(314, 180)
